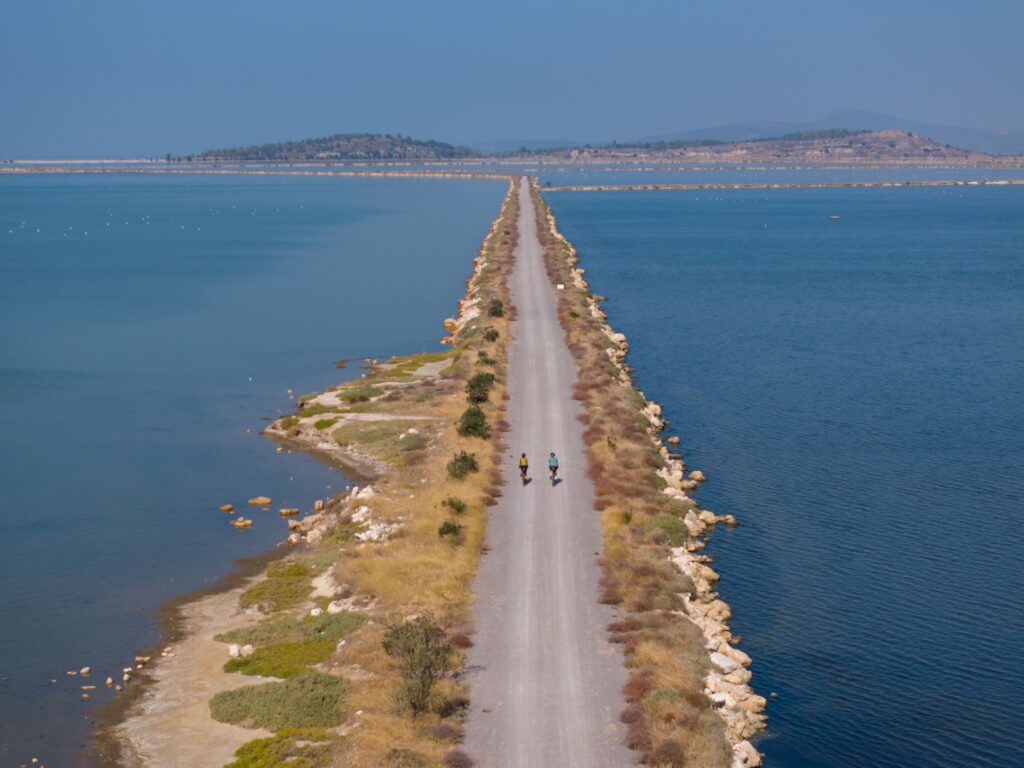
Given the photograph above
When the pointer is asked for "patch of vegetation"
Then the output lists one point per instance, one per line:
(288, 422)
(282, 659)
(315, 410)
(290, 748)
(424, 653)
(404, 758)
(412, 442)
(328, 626)
(325, 423)
(461, 465)
(450, 529)
(490, 334)
(312, 700)
(484, 359)
(457, 506)
(287, 584)
(473, 423)
(496, 308)
(478, 388)
(359, 394)
(675, 530)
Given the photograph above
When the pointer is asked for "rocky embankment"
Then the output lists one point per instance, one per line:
(727, 681)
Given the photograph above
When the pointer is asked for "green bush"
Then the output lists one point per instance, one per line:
(496, 308)
(490, 334)
(424, 653)
(478, 388)
(473, 423)
(286, 586)
(461, 465)
(328, 626)
(458, 506)
(288, 422)
(451, 529)
(313, 700)
(282, 659)
(290, 748)
(325, 423)
(674, 529)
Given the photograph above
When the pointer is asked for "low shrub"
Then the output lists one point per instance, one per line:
(491, 334)
(461, 465)
(457, 506)
(445, 732)
(456, 758)
(325, 423)
(287, 630)
(478, 388)
(312, 700)
(669, 753)
(404, 758)
(450, 529)
(287, 584)
(675, 531)
(424, 653)
(292, 747)
(282, 659)
(288, 422)
(473, 423)
(496, 308)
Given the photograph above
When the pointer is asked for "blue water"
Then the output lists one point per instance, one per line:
(146, 323)
(855, 391)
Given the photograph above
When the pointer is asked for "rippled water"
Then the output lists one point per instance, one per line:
(855, 390)
(145, 324)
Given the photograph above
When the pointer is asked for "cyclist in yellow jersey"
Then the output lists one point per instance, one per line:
(524, 466)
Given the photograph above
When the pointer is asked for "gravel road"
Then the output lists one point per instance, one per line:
(545, 681)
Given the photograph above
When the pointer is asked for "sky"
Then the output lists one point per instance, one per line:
(140, 78)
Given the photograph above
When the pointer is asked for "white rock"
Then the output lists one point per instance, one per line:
(335, 608)
(246, 650)
(234, 650)
(723, 662)
(366, 493)
(317, 612)
(744, 755)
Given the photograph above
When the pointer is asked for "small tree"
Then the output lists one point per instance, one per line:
(496, 308)
(478, 388)
(424, 653)
(461, 465)
(473, 423)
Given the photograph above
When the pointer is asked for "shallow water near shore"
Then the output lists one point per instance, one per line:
(855, 390)
(146, 323)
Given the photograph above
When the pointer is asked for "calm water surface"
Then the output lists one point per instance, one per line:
(146, 323)
(855, 390)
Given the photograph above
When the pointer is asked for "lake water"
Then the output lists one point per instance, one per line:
(855, 390)
(146, 323)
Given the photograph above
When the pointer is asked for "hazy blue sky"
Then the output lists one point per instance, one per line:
(144, 77)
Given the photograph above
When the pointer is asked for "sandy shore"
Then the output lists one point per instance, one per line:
(170, 724)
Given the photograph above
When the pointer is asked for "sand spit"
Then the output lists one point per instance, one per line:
(784, 185)
(170, 724)
(264, 172)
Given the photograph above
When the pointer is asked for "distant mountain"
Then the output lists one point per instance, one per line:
(342, 146)
(978, 139)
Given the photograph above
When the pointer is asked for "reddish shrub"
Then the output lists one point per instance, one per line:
(456, 758)
(669, 753)
(461, 640)
(631, 714)
(639, 684)
(445, 732)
